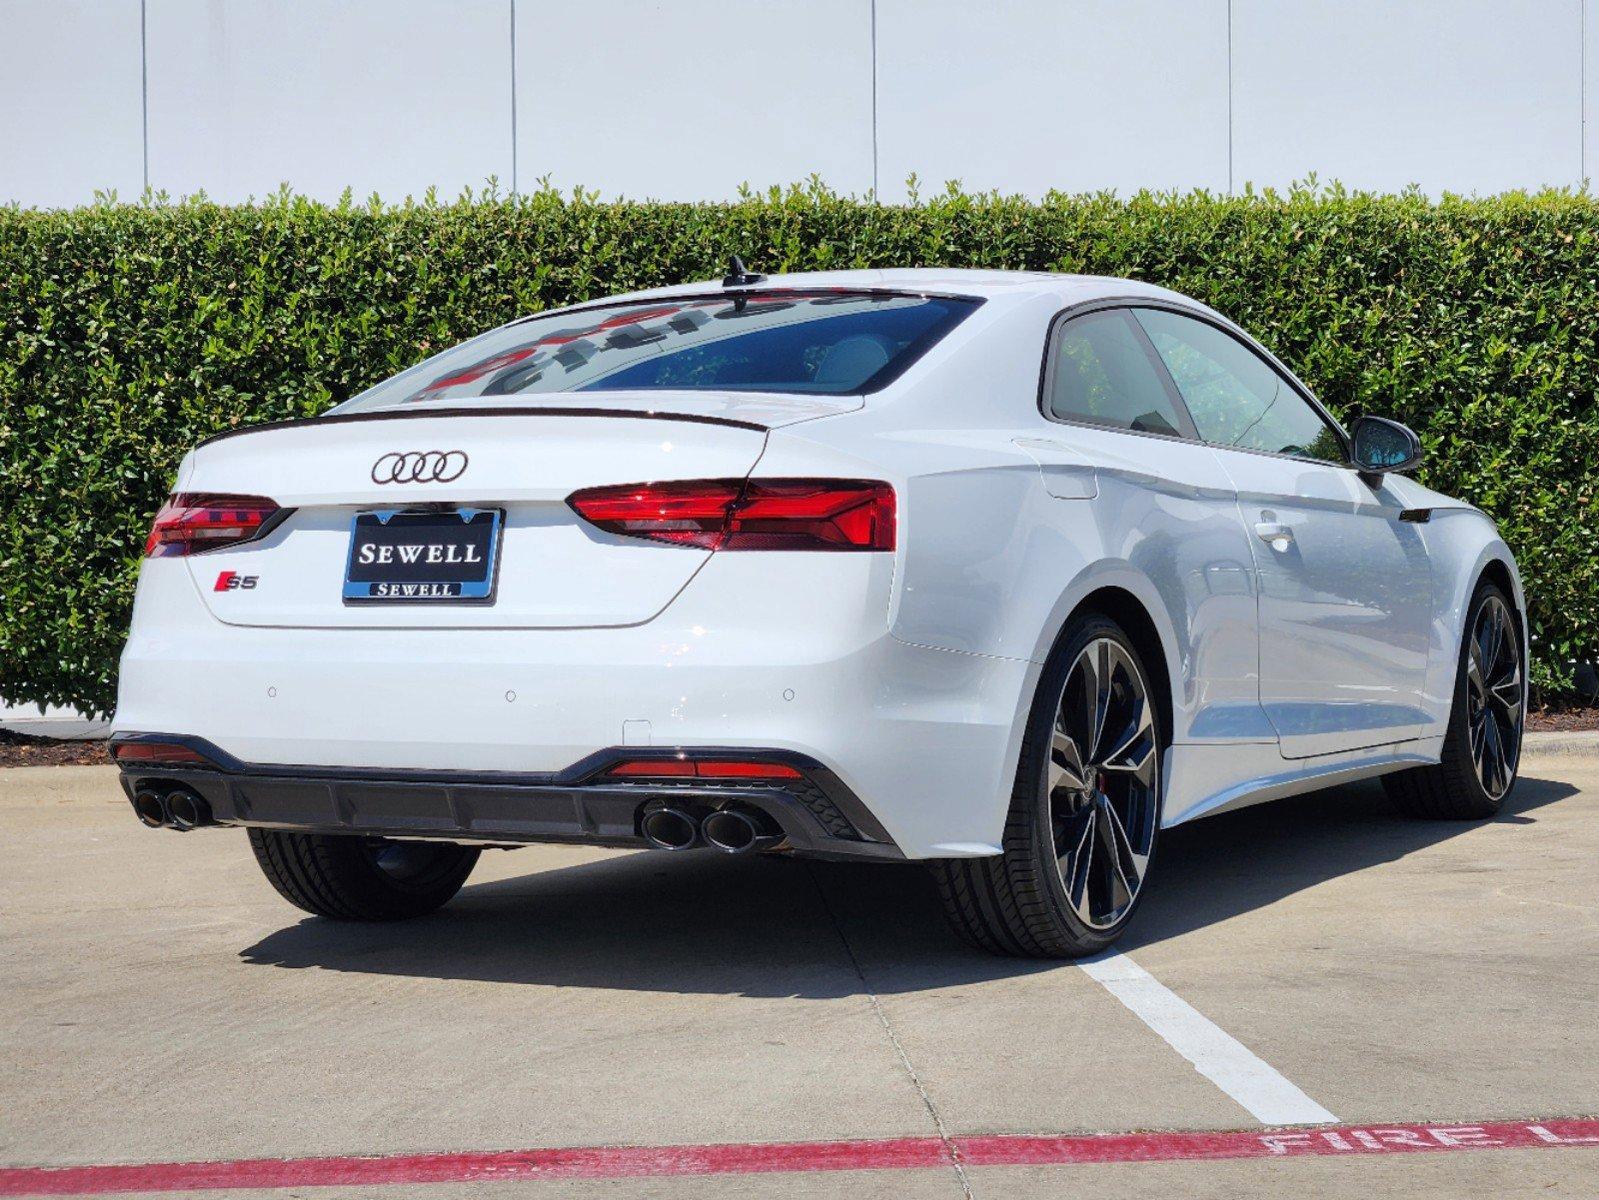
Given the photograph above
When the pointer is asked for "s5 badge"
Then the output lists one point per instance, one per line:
(232, 581)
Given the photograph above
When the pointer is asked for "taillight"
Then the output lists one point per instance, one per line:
(701, 768)
(157, 752)
(764, 514)
(190, 522)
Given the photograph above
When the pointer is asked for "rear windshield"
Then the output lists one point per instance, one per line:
(819, 343)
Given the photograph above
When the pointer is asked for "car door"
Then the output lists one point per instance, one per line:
(1164, 504)
(1344, 586)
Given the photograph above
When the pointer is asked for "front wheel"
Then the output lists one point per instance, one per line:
(1482, 748)
(1084, 813)
(353, 878)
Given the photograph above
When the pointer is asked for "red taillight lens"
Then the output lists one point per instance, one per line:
(764, 514)
(701, 768)
(689, 514)
(190, 522)
(156, 752)
(653, 769)
(721, 769)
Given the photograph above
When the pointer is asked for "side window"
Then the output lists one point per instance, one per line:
(1101, 374)
(1235, 397)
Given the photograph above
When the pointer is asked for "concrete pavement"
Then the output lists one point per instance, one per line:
(159, 1003)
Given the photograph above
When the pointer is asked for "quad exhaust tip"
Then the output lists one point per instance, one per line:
(730, 830)
(176, 809)
(150, 808)
(669, 828)
(186, 811)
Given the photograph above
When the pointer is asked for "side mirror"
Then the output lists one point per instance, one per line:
(1380, 445)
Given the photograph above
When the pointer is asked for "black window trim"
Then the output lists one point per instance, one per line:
(1070, 313)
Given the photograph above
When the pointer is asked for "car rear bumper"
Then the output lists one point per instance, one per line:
(818, 816)
(768, 651)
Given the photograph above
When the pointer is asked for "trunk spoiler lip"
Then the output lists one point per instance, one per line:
(480, 410)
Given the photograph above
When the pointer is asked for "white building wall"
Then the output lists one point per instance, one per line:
(1029, 95)
(70, 100)
(375, 95)
(1459, 95)
(686, 99)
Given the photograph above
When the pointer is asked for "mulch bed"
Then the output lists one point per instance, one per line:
(21, 750)
(1563, 720)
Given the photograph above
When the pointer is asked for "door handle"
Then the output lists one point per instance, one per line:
(1278, 536)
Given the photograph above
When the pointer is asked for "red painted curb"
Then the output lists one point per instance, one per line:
(620, 1162)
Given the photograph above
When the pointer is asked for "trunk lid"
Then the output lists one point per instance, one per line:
(552, 569)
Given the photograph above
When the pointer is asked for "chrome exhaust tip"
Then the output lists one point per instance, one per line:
(187, 811)
(150, 809)
(669, 829)
(733, 831)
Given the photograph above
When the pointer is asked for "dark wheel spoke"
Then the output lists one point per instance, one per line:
(1077, 862)
(1065, 762)
(1475, 680)
(1135, 753)
(1099, 695)
(1495, 757)
(1477, 729)
(1130, 862)
(1506, 697)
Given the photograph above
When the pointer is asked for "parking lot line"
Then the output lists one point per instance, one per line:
(916, 1153)
(1260, 1088)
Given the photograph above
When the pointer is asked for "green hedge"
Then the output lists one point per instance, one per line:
(129, 332)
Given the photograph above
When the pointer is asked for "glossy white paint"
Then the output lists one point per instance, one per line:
(583, 577)
(910, 674)
(1345, 602)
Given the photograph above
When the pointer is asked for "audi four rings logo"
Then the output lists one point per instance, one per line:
(419, 466)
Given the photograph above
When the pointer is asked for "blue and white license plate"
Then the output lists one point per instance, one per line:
(400, 556)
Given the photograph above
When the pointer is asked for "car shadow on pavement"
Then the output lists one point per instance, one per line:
(703, 923)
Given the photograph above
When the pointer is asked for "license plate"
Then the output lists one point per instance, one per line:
(433, 557)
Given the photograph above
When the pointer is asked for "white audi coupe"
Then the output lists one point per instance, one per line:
(1001, 571)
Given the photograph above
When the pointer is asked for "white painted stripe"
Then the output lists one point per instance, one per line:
(1221, 1058)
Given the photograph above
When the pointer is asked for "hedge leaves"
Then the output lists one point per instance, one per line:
(129, 332)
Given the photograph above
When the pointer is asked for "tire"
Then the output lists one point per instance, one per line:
(1460, 787)
(351, 878)
(1046, 895)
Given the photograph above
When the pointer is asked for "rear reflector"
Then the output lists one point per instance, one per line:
(756, 514)
(190, 522)
(156, 752)
(655, 769)
(703, 768)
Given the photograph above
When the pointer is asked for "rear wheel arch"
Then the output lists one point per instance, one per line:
(1136, 615)
(1128, 611)
(1111, 592)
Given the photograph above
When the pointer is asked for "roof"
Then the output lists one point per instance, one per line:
(938, 279)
